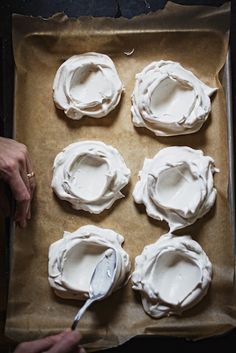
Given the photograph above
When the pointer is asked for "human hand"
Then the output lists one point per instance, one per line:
(64, 342)
(15, 169)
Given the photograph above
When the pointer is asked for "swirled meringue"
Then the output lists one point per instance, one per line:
(73, 259)
(177, 186)
(87, 84)
(170, 100)
(172, 275)
(90, 175)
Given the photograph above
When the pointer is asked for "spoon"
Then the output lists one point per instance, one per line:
(100, 284)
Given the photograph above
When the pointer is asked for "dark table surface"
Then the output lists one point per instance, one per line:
(111, 8)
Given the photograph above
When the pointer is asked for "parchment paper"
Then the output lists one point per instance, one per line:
(197, 37)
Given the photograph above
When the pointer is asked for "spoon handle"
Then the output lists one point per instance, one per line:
(81, 312)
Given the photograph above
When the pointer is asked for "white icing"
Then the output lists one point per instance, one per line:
(177, 186)
(90, 175)
(100, 282)
(73, 259)
(87, 84)
(172, 275)
(170, 100)
(103, 275)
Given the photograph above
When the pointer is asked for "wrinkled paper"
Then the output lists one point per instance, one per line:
(196, 37)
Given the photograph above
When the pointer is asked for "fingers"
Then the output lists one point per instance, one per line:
(27, 184)
(68, 344)
(15, 164)
(29, 168)
(81, 350)
(64, 342)
(40, 345)
(22, 197)
(31, 182)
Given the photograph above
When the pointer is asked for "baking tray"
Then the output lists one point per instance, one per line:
(227, 89)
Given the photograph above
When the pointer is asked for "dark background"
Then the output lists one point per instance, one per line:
(75, 8)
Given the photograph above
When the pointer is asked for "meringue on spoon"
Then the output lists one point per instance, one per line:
(101, 282)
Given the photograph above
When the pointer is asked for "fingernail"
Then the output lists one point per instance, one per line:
(23, 224)
(18, 223)
(28, 208)
(75, 333)
(60, 335)
(82, 350)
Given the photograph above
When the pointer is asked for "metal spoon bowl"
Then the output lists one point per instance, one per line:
(100, 284)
